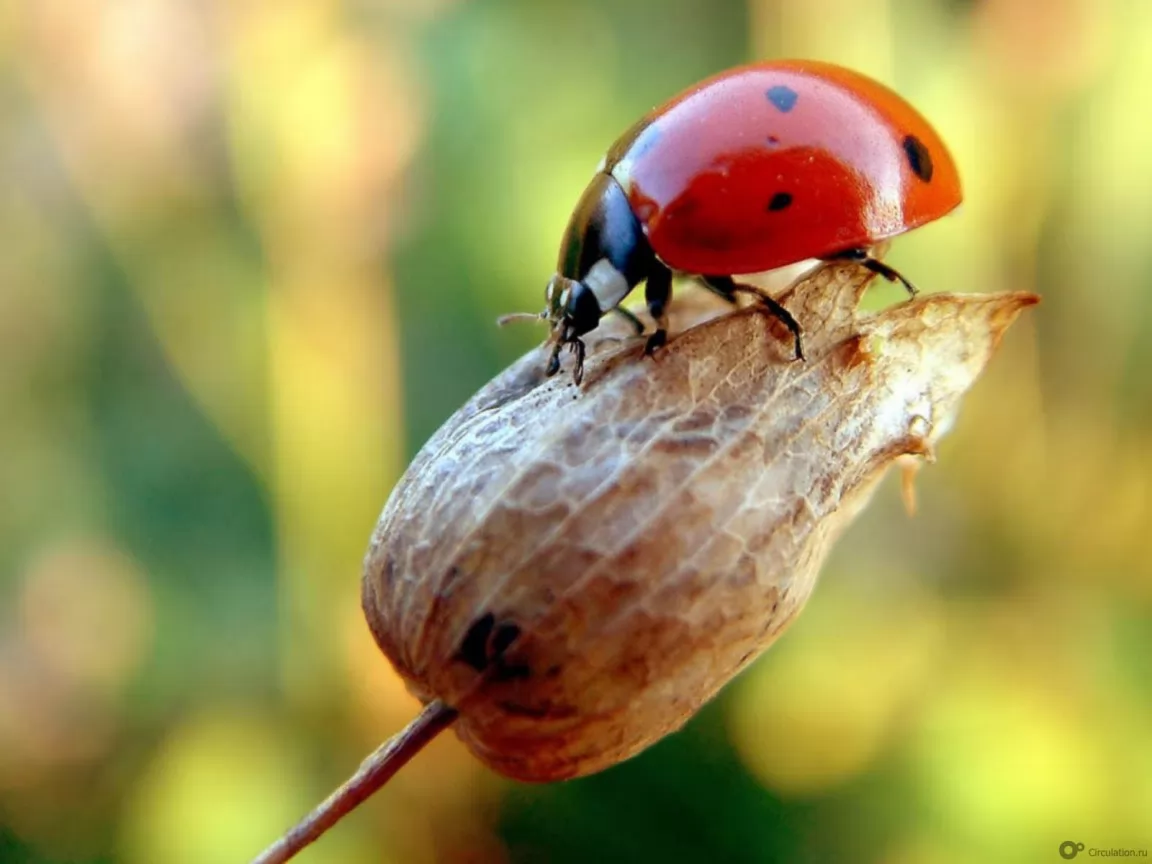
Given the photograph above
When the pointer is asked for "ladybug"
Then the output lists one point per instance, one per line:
(755, 168)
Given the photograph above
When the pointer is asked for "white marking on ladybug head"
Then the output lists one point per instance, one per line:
(556, 297)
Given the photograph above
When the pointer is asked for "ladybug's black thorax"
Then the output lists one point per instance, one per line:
(603, 227)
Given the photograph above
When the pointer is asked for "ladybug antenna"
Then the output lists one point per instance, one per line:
(555, 298)
(522, 316)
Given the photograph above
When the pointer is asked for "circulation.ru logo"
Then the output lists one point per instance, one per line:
(1069, 849)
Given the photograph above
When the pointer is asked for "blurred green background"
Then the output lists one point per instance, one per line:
(250, 258)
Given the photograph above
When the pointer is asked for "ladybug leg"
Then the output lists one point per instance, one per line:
(727, 288)
(891, 274)
(658, 291)
(566, 336)
(637, 325)
(577, 348)
(878, 267)
(553, 360)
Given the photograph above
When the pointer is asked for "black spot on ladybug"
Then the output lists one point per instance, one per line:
(779, 201)
(919, 159)
(474, 648)
(505, 635)
(784, 98)
(773, 140)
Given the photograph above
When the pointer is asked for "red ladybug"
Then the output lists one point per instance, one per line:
(758, 167)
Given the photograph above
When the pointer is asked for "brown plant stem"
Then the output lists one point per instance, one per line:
(374, 772)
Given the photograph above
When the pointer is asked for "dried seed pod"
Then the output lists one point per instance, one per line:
(577, 570)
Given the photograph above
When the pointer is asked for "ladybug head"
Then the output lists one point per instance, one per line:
(570, 307)
(556, 296)
(572, 310)
(573, 307)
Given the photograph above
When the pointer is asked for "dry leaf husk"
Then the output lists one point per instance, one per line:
(632, 543)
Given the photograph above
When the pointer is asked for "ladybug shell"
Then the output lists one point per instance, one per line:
(769, 164)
